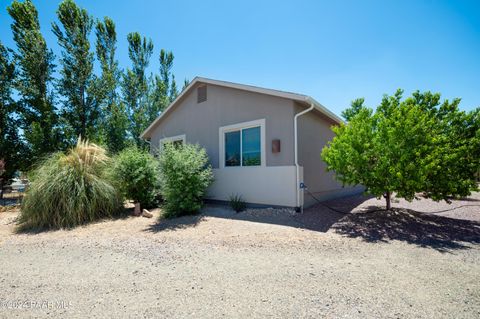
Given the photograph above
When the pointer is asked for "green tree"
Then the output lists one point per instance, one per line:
(173, 92)
(166, 76)
(114, 120)
(186, 83)
(35, 75)
(455, 156)
(163, 87)
(354, 108)
(10, 144)
(135, 86)
(78, 84)
(412, 146)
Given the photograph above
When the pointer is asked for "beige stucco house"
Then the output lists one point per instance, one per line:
(263, 144)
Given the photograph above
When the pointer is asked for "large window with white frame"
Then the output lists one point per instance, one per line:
(243, 144)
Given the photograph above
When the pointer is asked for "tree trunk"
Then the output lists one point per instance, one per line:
(388, 200)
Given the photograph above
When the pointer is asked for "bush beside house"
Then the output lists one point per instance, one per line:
(136, 173)
(185, 175)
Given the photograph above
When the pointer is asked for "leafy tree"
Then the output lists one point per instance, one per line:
(164, 86)
(78, 84)
(135, 86)
(407, 147)
(354, 108)
(114, 121)
(10, 144)
(186, 83)
(455, 157)
(173, 92)
(35, 74)
(166, 76)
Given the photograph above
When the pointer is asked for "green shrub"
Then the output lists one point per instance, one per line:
(137, 175)
(70, 189)
(237, 203)
(185, 176)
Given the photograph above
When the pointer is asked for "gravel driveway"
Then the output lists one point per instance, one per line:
(259, 263)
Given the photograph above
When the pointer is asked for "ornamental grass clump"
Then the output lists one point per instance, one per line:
(70, 189)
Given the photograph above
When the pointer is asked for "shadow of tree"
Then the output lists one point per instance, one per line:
(422, 229)
(347, 216)
(182, 222)
(322, 216)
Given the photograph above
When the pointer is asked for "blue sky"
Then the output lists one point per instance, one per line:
(334, 51)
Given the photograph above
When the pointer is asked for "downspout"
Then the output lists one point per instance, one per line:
(297, 166)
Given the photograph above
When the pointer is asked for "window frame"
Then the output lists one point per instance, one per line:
(239, 127)
(181, 137)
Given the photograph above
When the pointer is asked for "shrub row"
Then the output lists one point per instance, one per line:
(85, 184)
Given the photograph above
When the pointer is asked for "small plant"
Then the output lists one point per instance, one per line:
(237, 203)
(185, 177)
(137, 175)
(70, 189)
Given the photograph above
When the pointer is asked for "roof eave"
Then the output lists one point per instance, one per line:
(324, 110)
(250, 88)
(184, 91)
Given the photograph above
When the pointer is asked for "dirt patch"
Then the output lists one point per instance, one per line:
(259, 263)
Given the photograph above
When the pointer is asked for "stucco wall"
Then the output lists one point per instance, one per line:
(225, 106)
(313, 134)
(274, 185)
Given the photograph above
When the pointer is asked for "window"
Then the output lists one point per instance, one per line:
(232, 148)
(177, 143)
(242, 144)
(175, 140)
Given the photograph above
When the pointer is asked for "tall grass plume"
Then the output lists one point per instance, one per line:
(70, 189)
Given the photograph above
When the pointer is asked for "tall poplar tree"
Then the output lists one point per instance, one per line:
(78, 84)
(34, 82)
(135, 85)
(10, 144)
(163, 87)
(114, 120)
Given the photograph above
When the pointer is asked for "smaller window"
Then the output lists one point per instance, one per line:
(175, 140)
(201, 94)
(232, 148)
(175, 143)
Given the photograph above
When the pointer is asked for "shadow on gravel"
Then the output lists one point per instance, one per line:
(422, 229)
(347, 216)
(175, 223)
(322, 216)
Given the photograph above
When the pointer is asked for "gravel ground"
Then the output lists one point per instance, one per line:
(259, 263)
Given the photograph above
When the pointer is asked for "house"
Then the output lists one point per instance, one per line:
(263, 144)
